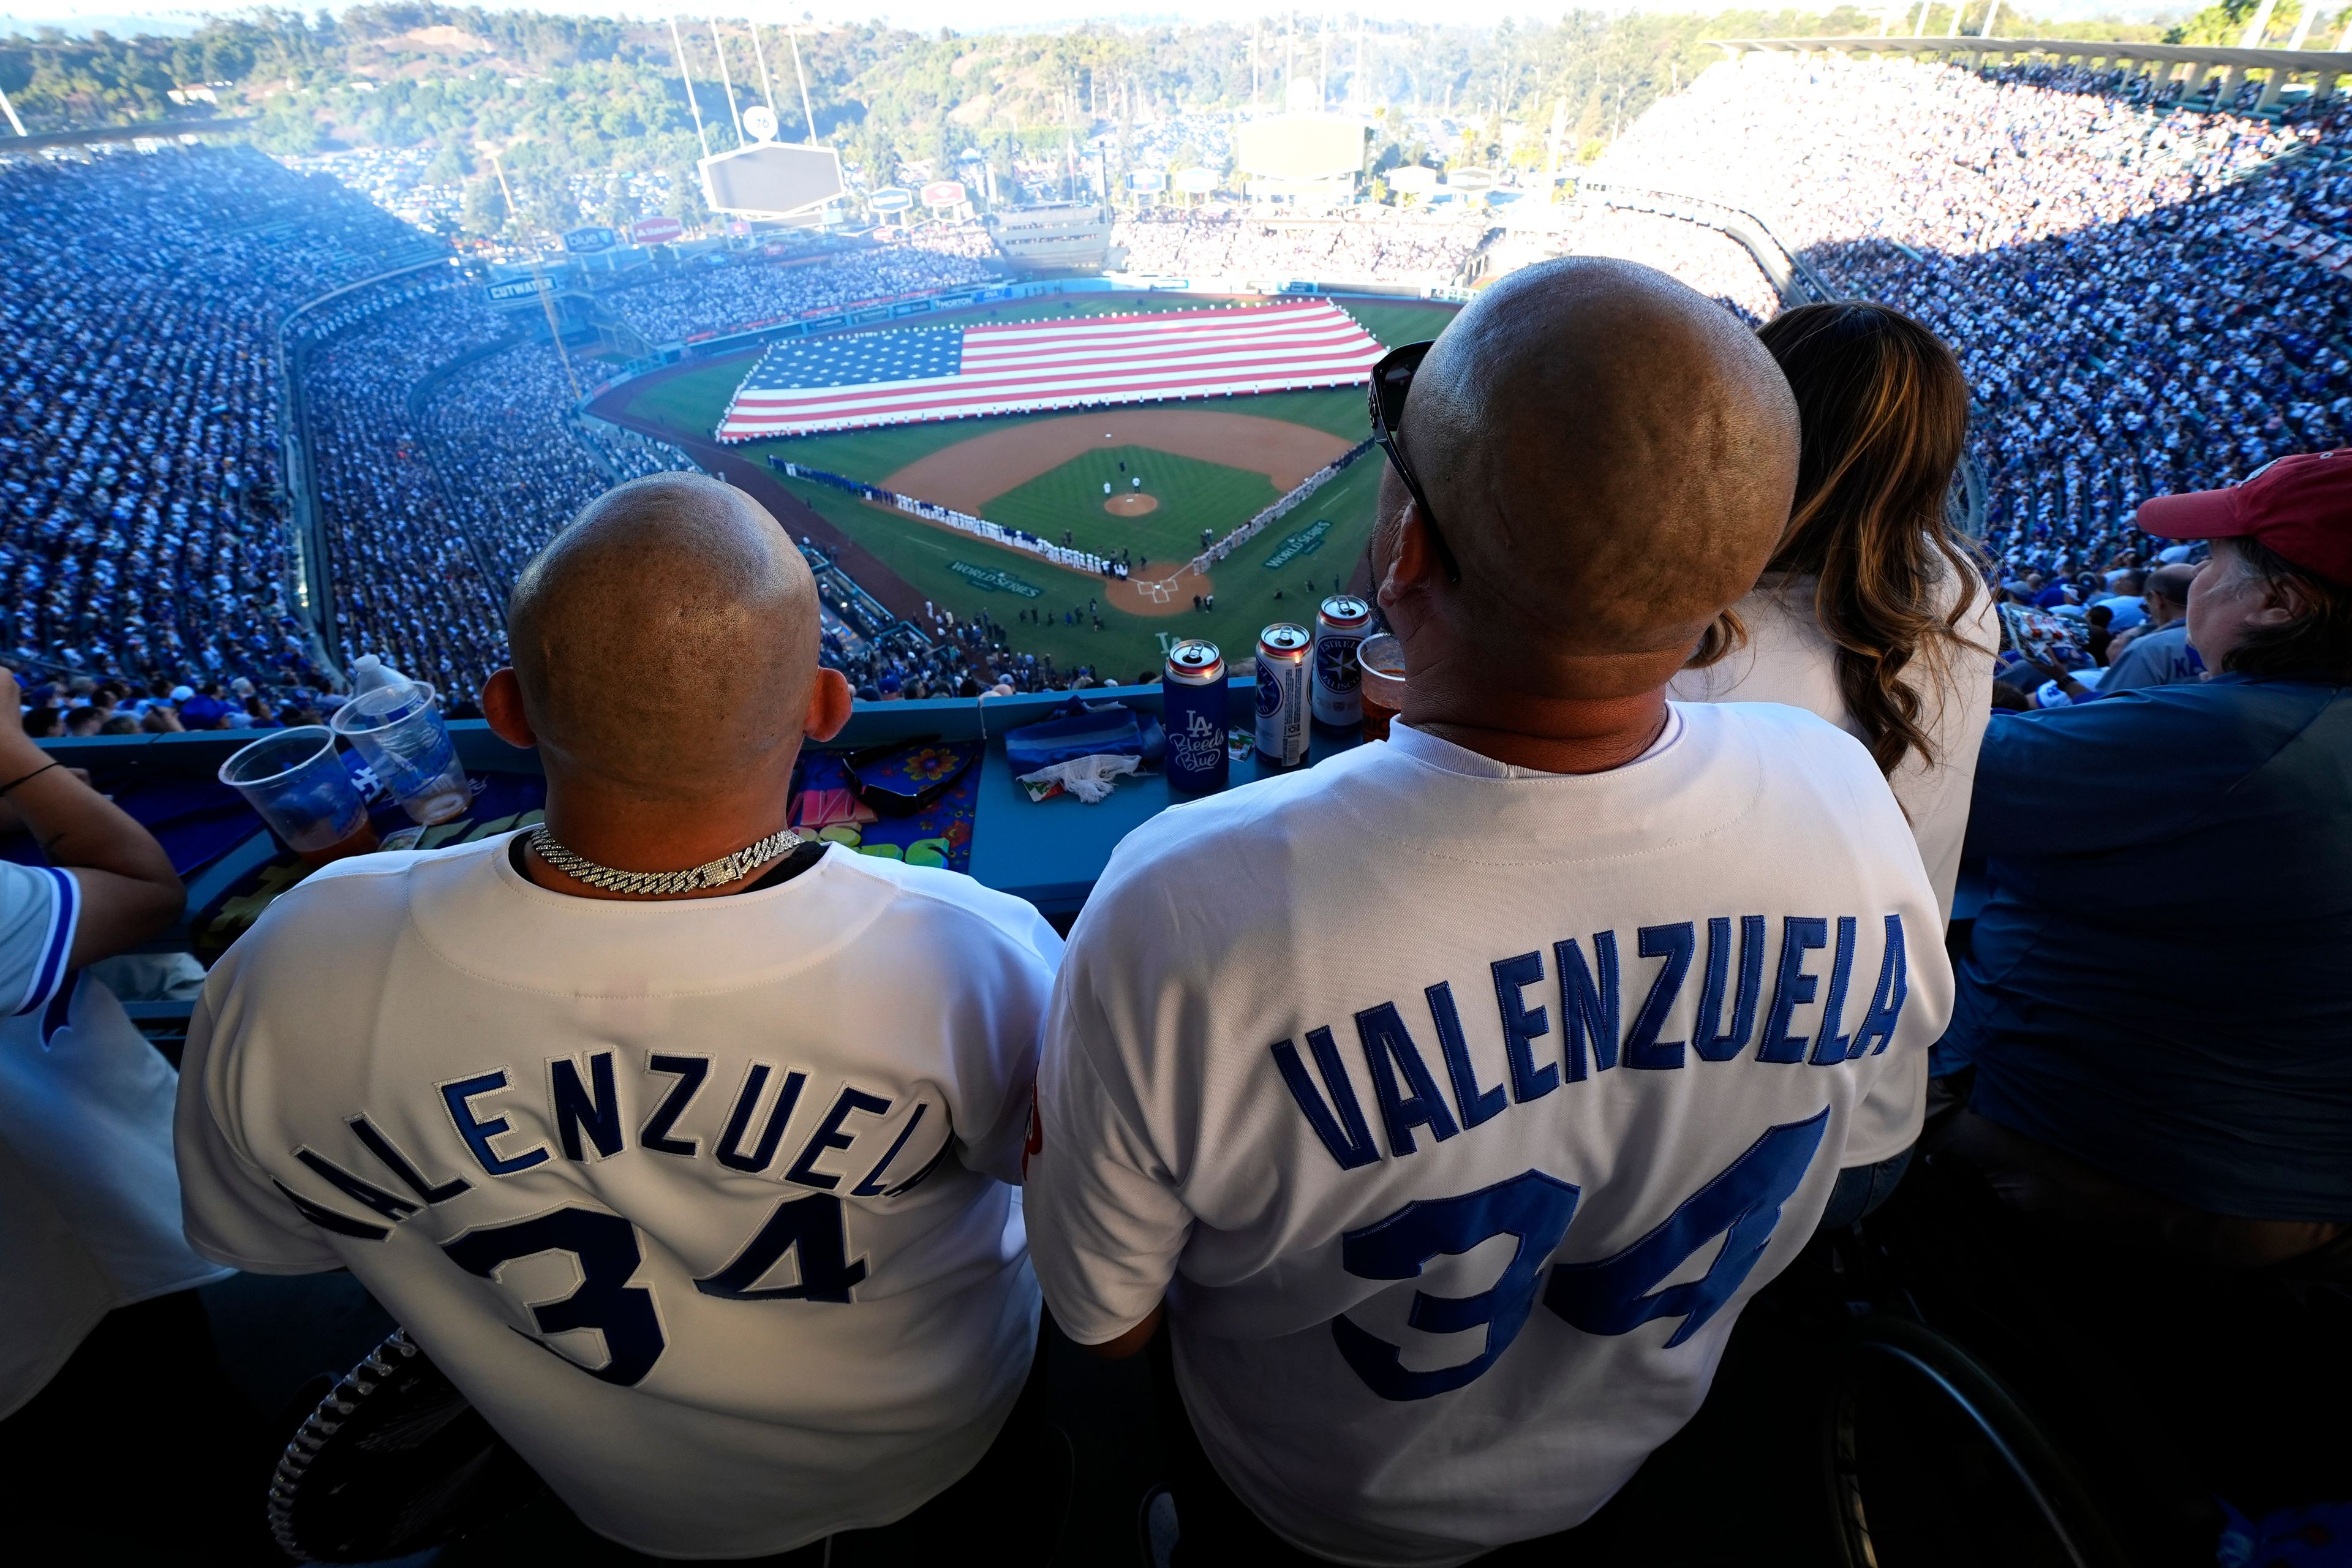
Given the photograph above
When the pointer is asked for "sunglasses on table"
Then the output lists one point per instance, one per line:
(1392, 379)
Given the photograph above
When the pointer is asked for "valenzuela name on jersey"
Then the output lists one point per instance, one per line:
(835, 1152)
(1588, 993)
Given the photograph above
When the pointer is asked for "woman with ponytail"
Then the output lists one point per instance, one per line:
(1873, 613)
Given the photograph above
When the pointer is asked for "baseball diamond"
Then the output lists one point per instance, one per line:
(1207, 465)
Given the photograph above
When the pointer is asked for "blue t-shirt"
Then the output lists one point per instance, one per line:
(2160, 657)
(2160, 983)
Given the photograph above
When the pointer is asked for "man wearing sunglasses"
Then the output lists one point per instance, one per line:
(1451, 1151)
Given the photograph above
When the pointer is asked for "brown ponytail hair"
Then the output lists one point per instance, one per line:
(1883, 409)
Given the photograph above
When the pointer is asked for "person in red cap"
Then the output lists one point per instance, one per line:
(2228, 1106)
(2153, 1034)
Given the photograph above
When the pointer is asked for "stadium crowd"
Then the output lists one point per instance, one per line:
(701, 297)
(1372, 245)
(2121, 338)
(142, 528)
(1707, 259)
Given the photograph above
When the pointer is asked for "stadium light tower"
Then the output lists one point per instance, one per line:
(792, 31)
(10, 110)
(2252, 38)
(677, 47)
(727, 82)
(2303, 22)
(1990, 17)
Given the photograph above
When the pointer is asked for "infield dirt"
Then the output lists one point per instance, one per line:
(970, 474)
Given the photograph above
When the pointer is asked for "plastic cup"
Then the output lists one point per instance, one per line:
(399, 735)
(1381, 658)
(294, 779)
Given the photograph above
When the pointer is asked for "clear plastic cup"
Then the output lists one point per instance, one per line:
(1381, 658)
(399, 735)
(296, 781)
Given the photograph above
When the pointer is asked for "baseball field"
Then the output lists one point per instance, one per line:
(1149, 479)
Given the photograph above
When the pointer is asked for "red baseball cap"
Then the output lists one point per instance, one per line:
(2299, 506)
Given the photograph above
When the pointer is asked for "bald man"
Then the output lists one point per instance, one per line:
(1449, 1099)
(684, 1147)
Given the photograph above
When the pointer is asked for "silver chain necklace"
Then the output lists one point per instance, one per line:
(716, 874)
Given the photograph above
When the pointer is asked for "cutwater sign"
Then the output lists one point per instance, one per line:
(994, 580)
(519, 288)
(1305, 542)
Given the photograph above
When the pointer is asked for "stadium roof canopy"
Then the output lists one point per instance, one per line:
(2160, 60)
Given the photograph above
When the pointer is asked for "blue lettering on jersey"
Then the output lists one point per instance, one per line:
(1829, 1046)
(403, 1167)
(1523, 1025)
(1408, 1093)
(871, 1185)
(1886, 1001)
(731, 1143)
(367, 1192)
(1389, 1048)
(690, 1071)
(829, 1136)
(1731, 1042)
(1340, 1123)
(1792, 987)
(1588, 1008)
(477, 1132)
(1533, 1208)
(1741, 1203)
(1675, 943)
(1477, 1104)
(577, 1109)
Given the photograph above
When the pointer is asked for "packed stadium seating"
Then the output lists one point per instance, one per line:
(2123, 338)
(1705, 259)
(1375, 246)
(2173, 344)
(143, 531)
(700, 299)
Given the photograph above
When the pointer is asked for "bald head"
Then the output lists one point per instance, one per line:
(665, 641)
(1612, 457)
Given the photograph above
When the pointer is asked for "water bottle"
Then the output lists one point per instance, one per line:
(399, 734)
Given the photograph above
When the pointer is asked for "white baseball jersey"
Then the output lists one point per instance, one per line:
(702, 1203)
(1459, 1108)
(90, 1207)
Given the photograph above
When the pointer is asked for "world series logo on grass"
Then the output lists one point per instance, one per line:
(1305, 542)
(996, 580)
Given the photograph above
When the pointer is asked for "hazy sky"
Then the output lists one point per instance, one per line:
(181, 15)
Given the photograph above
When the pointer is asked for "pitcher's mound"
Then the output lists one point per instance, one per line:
(1135, 503)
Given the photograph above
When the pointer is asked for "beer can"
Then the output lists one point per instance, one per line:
(1282, 693)
(1340, 625)
(1193, 692)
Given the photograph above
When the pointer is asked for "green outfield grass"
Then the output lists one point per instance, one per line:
(1192, 496)
(967, 576)
(1322, 541)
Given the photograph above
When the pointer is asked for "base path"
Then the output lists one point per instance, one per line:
(970, 474)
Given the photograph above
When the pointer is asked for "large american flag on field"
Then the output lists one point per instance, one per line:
(1021, 367)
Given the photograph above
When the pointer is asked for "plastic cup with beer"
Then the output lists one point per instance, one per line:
(296, 781)
(1381, 658)
(399, 734)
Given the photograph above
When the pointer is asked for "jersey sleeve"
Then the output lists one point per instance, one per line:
(233, 1211)
(1106, 1225)
(1009, 1002)
(40, 907)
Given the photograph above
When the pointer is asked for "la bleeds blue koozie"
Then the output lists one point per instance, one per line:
(1192, 706)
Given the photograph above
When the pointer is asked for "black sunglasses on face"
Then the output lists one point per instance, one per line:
(1392, 379)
